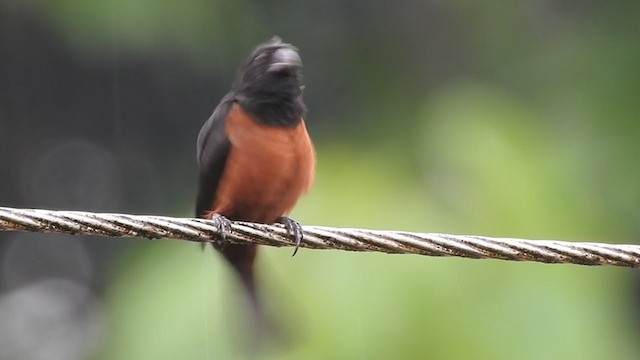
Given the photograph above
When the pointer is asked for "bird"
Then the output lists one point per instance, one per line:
(255, 157)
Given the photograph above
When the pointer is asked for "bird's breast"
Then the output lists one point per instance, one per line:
(267, 170)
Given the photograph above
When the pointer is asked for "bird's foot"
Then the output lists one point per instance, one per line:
(223, 227)
(293, 229)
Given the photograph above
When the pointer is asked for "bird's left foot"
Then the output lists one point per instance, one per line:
(293, 229)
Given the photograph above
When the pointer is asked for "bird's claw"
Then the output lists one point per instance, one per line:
(294, 230)
(223, 227)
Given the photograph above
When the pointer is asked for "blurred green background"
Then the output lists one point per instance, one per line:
(503, 118)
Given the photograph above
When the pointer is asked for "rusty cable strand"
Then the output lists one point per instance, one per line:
(319, 237)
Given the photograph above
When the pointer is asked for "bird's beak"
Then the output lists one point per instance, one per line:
(285, 58)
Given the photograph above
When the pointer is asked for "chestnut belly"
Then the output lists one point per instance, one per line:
(267, 170)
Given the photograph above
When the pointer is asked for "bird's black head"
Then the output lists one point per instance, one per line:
(269, 85)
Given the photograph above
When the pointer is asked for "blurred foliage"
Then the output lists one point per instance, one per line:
(197, 29)
(504, 119)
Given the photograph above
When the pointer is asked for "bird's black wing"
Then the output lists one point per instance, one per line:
(213, 150)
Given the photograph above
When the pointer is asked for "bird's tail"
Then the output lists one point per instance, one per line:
(242, 258)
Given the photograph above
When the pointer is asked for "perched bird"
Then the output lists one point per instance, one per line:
(255, 157)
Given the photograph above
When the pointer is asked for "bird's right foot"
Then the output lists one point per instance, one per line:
(223, 227)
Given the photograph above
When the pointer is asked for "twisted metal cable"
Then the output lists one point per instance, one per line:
(318, 237)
